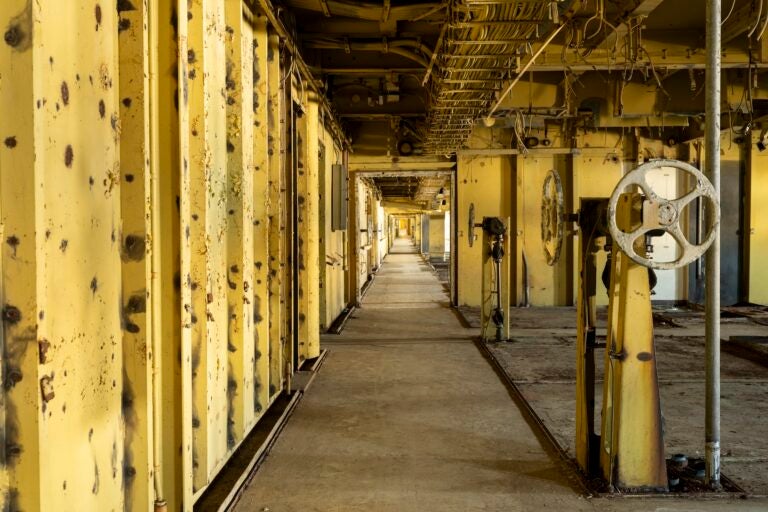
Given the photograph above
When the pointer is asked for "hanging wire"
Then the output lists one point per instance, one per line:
(757, 18)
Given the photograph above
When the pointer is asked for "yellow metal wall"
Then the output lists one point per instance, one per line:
(596, 170)
(436, 235)
(546, 284)
(141, 217)
(758, 226)
(334, 261)
(488, 183)
(62, 292)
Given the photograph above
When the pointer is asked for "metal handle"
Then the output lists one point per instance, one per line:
(663, 214)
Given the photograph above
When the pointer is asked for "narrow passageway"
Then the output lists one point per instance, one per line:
(403, 246)
(406, 415)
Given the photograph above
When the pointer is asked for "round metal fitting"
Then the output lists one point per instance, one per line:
(552, 217)
(661, 214)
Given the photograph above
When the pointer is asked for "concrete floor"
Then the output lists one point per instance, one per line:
(406, 415)
(545, 338)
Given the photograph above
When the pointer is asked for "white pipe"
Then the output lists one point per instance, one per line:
(712, 260)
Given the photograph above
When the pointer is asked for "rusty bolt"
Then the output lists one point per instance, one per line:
(13, 36)
(46, 388)
(11, 314)
(43, 346)
(12, 377)
(12, 450)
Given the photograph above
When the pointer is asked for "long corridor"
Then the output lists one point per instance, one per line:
(406, 415)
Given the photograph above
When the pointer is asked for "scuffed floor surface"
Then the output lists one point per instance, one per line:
(406, 415)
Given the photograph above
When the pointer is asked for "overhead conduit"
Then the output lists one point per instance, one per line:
(478, 51)
(397, 47)
(367, 10)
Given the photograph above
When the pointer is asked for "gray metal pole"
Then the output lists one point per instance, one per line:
(712, 147)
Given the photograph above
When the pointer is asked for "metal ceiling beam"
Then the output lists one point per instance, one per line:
(740, 21)
(326, 10)
(500, 152)
(366, 71)
(488, 42)
(643, 9)
(419, 173)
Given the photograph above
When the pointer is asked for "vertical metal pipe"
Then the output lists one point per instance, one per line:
(712, 148)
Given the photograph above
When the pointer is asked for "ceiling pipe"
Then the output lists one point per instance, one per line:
(488, 119)
(395, 47)
(366, 10)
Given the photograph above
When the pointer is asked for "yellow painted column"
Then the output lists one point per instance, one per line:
(275, 212)
(758, 226)
(354, 280)
(486, 182)
(303, 220)
(240, 225)
(136, 201)
(204, 186)
(170, 314)
(288, 155)
(261, 195)
(20, 477)
(312, 229)
(61, 282)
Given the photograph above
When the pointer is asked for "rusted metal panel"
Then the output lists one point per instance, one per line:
(206, 230)
(240, 221)
(288, 213)
(147, 242)
(303, 220)
(261, 166)
(61, 201)
(20, 475)
(275, 214)
(136, 257)
(170, 322)
(311, 233)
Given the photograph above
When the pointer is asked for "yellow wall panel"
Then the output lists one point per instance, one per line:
(136, 184)
(275, 212)
(261, 167)
(334, 259)
(595, 175)
(19, 265)
(207, 233)
(486, 182)
(60, 196)
(311, 217)
(546, 284)
(758, 227)
(240, 215)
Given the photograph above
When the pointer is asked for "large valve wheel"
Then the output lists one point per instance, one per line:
(552, 217)
(660, 214)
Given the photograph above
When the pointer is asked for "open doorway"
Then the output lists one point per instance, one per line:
(403, 212)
